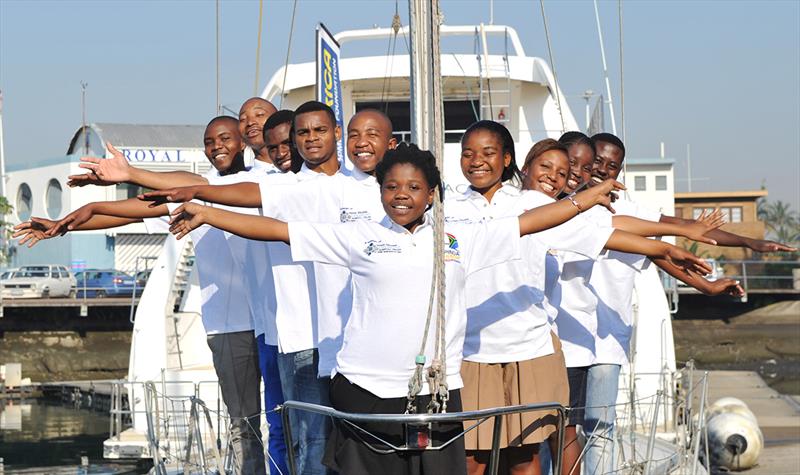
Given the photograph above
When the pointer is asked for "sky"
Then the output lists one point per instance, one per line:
(723, 77)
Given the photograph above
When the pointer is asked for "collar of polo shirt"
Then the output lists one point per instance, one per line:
(427, 220)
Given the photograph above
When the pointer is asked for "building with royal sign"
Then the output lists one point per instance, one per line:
(38, 188)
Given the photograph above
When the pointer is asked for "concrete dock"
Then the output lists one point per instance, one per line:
(778, 417)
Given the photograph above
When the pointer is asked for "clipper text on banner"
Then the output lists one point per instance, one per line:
(329, 86)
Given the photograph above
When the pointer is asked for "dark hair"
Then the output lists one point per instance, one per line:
(423, 160)
(283, 116)
(609, 138)
(542, 146)
(510, 172)
(314, 106)
(219, 118)
(576, 138)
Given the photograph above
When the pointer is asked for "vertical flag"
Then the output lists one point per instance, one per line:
(329, 86)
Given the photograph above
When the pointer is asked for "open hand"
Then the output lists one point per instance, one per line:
(33, 231)
(602, 194)
(686, 260)
(185, 218)
(71, 221)
(102, 171)
(703, 224)
(183, 194)
(763, 245)
(725, 286)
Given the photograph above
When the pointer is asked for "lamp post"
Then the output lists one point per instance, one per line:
(587, 95)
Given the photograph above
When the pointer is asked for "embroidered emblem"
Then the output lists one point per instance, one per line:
(451, 251)
(380, 247)
(347, 215)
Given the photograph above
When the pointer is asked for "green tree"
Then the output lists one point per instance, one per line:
(5, 230)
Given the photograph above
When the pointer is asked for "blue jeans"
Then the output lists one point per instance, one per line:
(309, 431)
(601, 395)
(273, 396)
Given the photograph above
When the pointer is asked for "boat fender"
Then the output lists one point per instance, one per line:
(735, 441)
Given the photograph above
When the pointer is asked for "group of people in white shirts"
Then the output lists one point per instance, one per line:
(317, 282)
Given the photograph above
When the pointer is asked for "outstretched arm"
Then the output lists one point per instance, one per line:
(695, 230)
(189, 216)
(718, 287)
(38, 229)
(725, 238)
(116, 169)
(244, 195)
(551, 215)
(631, 243)
(131, 208)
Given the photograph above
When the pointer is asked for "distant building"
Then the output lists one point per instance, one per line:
(651, 182)
(740, 211)
(37, 187)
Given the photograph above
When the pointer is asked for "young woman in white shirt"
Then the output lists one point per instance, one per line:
(391, 266)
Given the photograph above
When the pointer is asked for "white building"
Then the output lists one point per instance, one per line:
(37, 187)
(651, 182)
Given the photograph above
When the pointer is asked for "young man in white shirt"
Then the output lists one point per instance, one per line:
(226, 310)
(612, 279)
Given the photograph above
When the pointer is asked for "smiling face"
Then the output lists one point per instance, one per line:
(315, 137)
(406, 195)
(581, 158)
(483, 161)
(547, 173)
(252, 115)
(607, 162)
(369, 135)
(223, 145)
(279, 146)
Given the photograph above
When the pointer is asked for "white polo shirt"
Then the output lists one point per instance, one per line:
(573, 299)
(391, 271)
(294, 282)
(613, 282)
(328, 199)
(253, 258)
(223, 290)
(506, 318)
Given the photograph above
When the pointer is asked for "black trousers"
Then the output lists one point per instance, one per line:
(347, 453)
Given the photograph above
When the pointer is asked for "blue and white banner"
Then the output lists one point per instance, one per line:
(329, 86)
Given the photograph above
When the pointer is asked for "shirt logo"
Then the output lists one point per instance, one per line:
(451, 252)
(380, 247)
(347, 215)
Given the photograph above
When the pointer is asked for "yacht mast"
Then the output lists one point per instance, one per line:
(427, 128)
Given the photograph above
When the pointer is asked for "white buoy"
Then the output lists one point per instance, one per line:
(735, 441)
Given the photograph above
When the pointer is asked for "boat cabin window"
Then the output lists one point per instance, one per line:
(458, 115)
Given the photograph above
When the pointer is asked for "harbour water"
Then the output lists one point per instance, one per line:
(38, 436)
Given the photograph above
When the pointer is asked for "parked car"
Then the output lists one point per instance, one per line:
(101, 283)
(7, 273)
(141, 277)
(38, 282)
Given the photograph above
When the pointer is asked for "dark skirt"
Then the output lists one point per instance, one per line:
(347, 454)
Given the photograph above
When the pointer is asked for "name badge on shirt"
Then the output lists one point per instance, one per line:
(347, 215)
(380, 247)
(451, 252)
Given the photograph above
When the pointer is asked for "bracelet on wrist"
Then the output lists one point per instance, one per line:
(577, 205)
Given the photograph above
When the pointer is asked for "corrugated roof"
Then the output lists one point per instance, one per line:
(147, 135)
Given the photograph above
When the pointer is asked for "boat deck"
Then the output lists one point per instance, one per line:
(778, 417)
